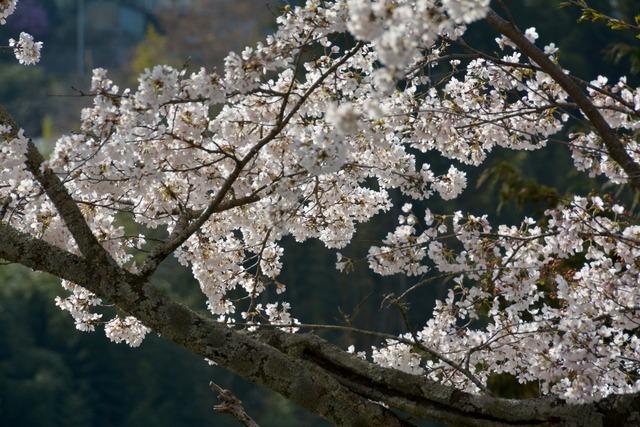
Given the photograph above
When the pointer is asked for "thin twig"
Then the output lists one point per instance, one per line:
(231, 405)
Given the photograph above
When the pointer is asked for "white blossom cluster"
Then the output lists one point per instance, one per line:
(26, 49)
(493, 105)
(621, 112)
(573, 330)
(7, 7)
(78, 304)
(403, 250)
(129, 330)
(281, 316)
(15, 179)
(400, 29)
(288, 143)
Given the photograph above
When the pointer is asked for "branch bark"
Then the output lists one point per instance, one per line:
(300, 381)
(304, 368)
(62, 200)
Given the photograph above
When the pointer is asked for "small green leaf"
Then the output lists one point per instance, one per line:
(616, 24)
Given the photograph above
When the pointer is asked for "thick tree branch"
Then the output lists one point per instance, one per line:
(298, 380)
(67, 208)
(611, 141)
(61, 199)
(304, 368)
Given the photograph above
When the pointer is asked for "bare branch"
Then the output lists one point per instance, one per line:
(231, 405)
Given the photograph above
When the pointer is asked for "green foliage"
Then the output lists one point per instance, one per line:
(628, 20)
(620, 51)
(47, 128)
(507, 386)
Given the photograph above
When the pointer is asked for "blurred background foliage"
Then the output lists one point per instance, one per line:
(53, 375)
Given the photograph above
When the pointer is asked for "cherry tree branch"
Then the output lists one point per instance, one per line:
(611, 141)
(302, 367)
(297, 379)
(60, 197)
(162, 251)
(231, 405)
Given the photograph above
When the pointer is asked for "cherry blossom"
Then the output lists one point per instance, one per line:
(129, 330)
(27, 50)
(7, 7)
